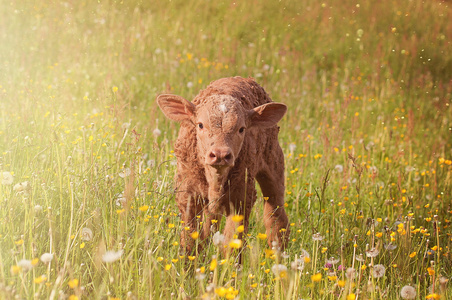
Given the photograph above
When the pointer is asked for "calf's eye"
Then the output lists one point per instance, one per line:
(242, 129)
(200, 126)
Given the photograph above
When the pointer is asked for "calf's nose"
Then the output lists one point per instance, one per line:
(220, 157)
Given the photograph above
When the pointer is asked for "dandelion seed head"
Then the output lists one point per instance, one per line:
(25, 264)
(86, 234)
(379, 271)
(46, 257)
(408, 292)
(7, 178)
(112, 256)
(372, 252)
(218, 238)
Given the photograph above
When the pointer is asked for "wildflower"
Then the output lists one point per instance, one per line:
(339, 168)
(218, 238)
(261, 236)
(167, 267)
(359, 258)
(7, 178)
(390, 247)
(237, 218)
(38, 208)
(213, 264)
(195, 235)
(40, 279)
(316, 277)
(114, 89)
(433, 296)
(73, 297)
(86, 234)
(332, 261)
(21, 187)
(350, 273)
(73, 283)
(144, 208)
(279, 270)
(46, 257)
(25, 264)
(412, 254)
(126, 172)
(408, 292)
(317, 237)
(379, 271)
(15, 269)
(341, 283)
(235, 243)
(372, 252)
(157, 132)
(240, 229)
(112, 256)
(351, 297)
(292, 147)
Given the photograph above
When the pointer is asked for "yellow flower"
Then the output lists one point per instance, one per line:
(15, 270)
(235, 243)
(195, 235)
(433, 296)
(159, 258)
(19, 242)
(307, 259)
(332, 278)
(82, 245)
(191, 257)
(240, 229)
(174, 260)
(144, 208)
(213, 264)
(431, 271)
(114, 89)
(73, 283)
(316, 277)
(351, 297)
(73, 297)
(237, 218)
(261, 236)
(34, 261)
(412, 254)
(341, 283)
(40, 279)
(167, 267)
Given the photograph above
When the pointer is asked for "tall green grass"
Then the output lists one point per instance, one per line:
(367, 140)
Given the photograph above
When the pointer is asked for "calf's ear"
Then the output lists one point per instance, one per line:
(267, 115)
(175, 107)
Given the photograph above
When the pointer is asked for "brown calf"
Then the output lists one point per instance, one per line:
(228, 138)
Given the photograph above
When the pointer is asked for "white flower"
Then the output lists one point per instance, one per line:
(218, 238)
(372, 252)
(350, 273)
(292, 147)
(189, 84)
(125, 172)
(379, 271)
(157, 132)
(86, 234)
(21, 187)
(46, 257)
(25, 264)
(339, 168)
(38, 208)
(112, 256)
(279, 270)
(317, 237)
(408, 292)
(7, 178)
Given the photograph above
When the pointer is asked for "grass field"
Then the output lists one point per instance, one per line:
(87, 206)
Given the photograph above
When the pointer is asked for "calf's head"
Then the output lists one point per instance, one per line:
(221, 125)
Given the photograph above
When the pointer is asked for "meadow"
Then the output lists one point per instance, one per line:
(87, 206)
